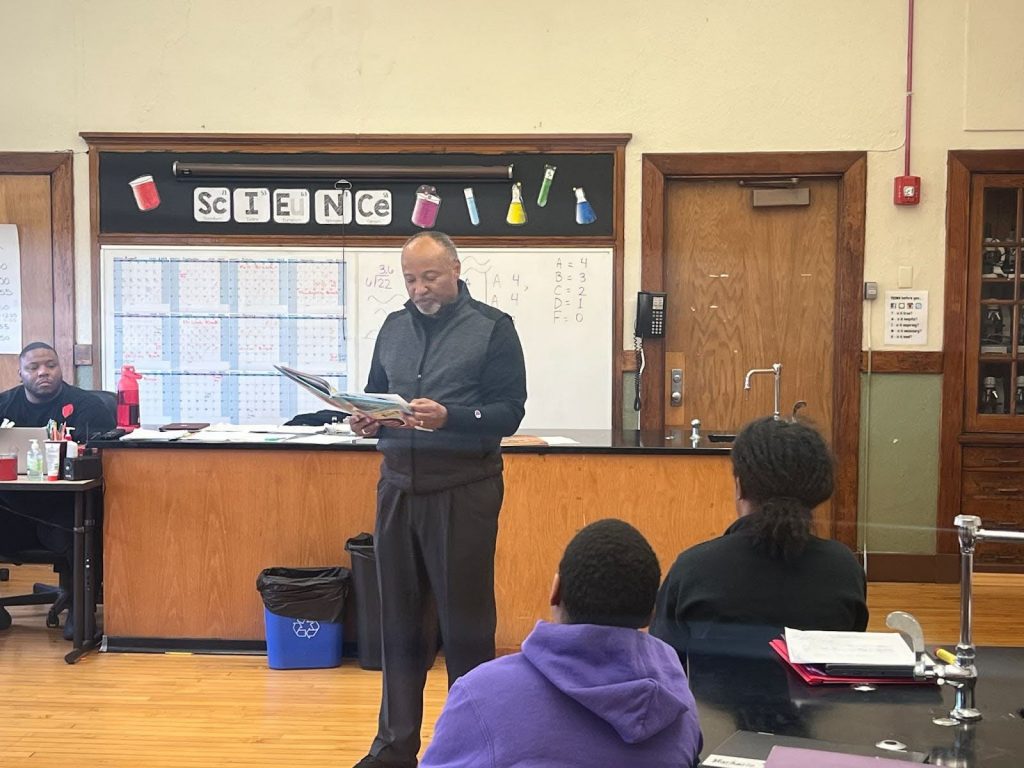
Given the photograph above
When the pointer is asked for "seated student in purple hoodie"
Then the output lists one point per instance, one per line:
(588, 689)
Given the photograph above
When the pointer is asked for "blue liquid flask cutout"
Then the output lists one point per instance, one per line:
(474, 214)
(584, 210)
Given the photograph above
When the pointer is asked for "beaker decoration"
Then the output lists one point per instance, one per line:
(584, 210)
(428, 203)
(516, 215)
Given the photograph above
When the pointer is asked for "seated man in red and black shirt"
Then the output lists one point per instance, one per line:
(44, 520)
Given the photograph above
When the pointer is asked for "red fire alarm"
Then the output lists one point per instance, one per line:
(907, 190)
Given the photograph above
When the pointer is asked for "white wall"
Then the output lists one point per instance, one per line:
(680, 75)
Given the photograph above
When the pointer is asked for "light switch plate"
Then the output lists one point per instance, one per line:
(905, 277)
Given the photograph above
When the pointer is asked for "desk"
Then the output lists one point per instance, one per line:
(764, 695)
(84, 555)
(188, 527)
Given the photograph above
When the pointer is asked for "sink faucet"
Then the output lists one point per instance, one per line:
(963, 674)
(776, 370)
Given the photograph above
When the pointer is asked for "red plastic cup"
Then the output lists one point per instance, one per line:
(146, 195)
(8, 466)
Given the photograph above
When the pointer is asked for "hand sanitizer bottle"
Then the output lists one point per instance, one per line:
(34, 461)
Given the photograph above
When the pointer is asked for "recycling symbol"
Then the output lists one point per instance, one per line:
(305, 629)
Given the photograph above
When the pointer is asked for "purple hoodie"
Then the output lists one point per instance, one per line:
(577, 695)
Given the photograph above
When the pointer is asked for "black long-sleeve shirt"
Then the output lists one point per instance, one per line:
(727, 592)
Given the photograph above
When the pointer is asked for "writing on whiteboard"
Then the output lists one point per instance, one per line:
(560, 300)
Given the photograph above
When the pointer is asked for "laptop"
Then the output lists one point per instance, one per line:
(20, 438)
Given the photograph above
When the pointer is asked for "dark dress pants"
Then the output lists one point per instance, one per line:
(435, 567)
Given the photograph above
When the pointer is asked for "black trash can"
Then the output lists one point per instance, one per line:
(302, 610)
(367, 598)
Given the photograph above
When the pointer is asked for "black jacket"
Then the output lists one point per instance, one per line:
(90, 416)
(468, 358)
(728, 592)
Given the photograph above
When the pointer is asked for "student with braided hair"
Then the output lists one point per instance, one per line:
(768, 571)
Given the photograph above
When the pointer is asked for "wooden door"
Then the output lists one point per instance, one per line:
(794, 293)
(748, 287)
(36, 196)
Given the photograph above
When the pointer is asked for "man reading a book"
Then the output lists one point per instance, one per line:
(459, 363)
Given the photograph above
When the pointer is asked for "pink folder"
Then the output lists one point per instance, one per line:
(814, 677)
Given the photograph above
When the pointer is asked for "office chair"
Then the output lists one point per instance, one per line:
(109, 400)
(57, 597)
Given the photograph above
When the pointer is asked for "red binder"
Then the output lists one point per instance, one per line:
(813, 676)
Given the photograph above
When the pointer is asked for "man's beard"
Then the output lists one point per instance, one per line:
(429, 308)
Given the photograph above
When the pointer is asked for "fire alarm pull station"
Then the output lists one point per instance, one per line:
(907, 190)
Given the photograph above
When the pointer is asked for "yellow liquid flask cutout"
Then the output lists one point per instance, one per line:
(516, 215)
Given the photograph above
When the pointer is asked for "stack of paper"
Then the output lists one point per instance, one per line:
(847, 657)
(878, 649)
(154, 434)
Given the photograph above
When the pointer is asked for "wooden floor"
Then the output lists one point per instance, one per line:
(183, 711)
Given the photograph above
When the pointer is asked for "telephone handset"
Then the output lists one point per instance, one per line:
(650, 315)
(650, 324)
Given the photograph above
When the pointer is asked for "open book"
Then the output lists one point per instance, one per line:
(389, 410)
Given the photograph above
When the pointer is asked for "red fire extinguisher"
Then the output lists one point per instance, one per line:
(128, 398)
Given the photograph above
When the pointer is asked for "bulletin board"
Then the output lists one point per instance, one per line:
(179, 212)
(205, 326)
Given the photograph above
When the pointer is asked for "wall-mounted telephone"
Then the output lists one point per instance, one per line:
(650, 324)
(650, 315)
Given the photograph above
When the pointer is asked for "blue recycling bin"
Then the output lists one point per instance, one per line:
(302, 613)
(302, 643)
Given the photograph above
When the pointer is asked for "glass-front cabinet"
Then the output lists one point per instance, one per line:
(994, 394)
(981, 463)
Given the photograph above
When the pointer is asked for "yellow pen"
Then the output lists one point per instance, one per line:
(945, 656)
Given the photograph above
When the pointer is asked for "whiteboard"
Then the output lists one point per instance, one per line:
(206, 325)
(561, 302)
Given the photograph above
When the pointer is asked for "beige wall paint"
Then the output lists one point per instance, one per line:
(680, 75)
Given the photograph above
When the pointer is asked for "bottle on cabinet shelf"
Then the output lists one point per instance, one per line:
(992, 338)
(1018, 397)
(990, 396)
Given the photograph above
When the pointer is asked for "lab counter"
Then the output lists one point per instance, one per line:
(189, 526)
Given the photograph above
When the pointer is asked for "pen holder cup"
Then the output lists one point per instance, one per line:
(9, 465)
(53, 455)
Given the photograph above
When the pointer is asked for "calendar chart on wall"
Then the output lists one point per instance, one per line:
(205, 326)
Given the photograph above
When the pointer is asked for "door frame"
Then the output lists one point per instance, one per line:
(58, 166)
(851, 170)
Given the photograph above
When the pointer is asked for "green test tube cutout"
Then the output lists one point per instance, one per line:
(545, 186)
